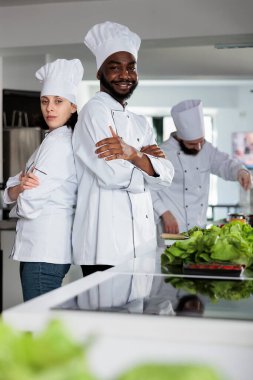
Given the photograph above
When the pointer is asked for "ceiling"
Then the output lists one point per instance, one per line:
(10, 3)
(160, 61)
(161, 58)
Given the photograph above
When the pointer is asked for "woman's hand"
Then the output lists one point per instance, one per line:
(153, 150)
(28, 181)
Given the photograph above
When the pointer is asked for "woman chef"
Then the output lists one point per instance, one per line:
(45, 194)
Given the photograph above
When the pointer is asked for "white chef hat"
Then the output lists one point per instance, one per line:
(108, 38)
(61, 78)
(188, 119)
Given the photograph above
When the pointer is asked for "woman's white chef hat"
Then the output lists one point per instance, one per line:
(61, 78)
(188, 119)
(108, 38)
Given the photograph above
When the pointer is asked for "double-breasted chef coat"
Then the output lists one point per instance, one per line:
(114, 218)
(187, 197)
(45, 213)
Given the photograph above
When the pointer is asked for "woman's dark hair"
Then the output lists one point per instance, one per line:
(71, 122)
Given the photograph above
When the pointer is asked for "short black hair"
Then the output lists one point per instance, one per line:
(182, 308)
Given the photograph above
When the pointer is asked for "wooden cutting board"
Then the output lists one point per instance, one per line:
(173, 236)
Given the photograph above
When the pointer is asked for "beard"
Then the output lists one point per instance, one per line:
(191, 152)
(115, 94)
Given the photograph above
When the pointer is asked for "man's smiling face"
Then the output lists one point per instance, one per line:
(118, 76)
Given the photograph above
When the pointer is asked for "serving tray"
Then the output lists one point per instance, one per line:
(213, 269)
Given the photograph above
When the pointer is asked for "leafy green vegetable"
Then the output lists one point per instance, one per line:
(214, 289)
(170, 372)
(51, 355)
(232, 243)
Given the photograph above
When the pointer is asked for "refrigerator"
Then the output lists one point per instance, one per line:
(18, 145)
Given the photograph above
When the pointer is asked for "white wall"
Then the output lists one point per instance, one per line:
(38, 25)
(18, 72)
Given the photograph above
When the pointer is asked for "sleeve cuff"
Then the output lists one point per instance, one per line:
(164, 170)
(136, 184)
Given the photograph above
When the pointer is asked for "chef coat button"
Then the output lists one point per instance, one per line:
(128, 116)
(144, 189)
(138, 139)
(147, 216)
(186, 188)
(178, 153)
(185, 171)
(201, 205)
(188, 224)
(186, 206)
(197, 168)
(200, 186)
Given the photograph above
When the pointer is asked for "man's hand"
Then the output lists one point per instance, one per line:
(113, 148)
(170, 224)
(245, 179)
(153, 150)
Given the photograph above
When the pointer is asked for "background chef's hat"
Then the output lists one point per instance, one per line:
(188, 119)
(61, 78)
(108, 38)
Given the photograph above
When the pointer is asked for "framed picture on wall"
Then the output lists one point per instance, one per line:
(242, 143)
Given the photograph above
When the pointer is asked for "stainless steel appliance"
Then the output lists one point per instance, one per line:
(18, 145)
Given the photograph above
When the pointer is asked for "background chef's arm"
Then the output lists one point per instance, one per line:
(158, 204)
(162, 212)
(52, 169)
(228, 168)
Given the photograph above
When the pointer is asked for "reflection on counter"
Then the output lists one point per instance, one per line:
(168, 295)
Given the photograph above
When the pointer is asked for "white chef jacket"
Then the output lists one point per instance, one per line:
(114, 218)
(45, 213)
(187, 197)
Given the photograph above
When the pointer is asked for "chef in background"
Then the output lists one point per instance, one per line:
(45, 194)
(184, 204)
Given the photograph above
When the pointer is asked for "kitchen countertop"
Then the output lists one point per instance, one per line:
(124, 338)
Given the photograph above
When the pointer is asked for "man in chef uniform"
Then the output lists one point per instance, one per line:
(184, 204)
(117, 160)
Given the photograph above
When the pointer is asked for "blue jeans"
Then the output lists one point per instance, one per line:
(40, 278)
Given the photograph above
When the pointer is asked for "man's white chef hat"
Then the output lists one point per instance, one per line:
(188, 119)
(61, 78)
(108, 38)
